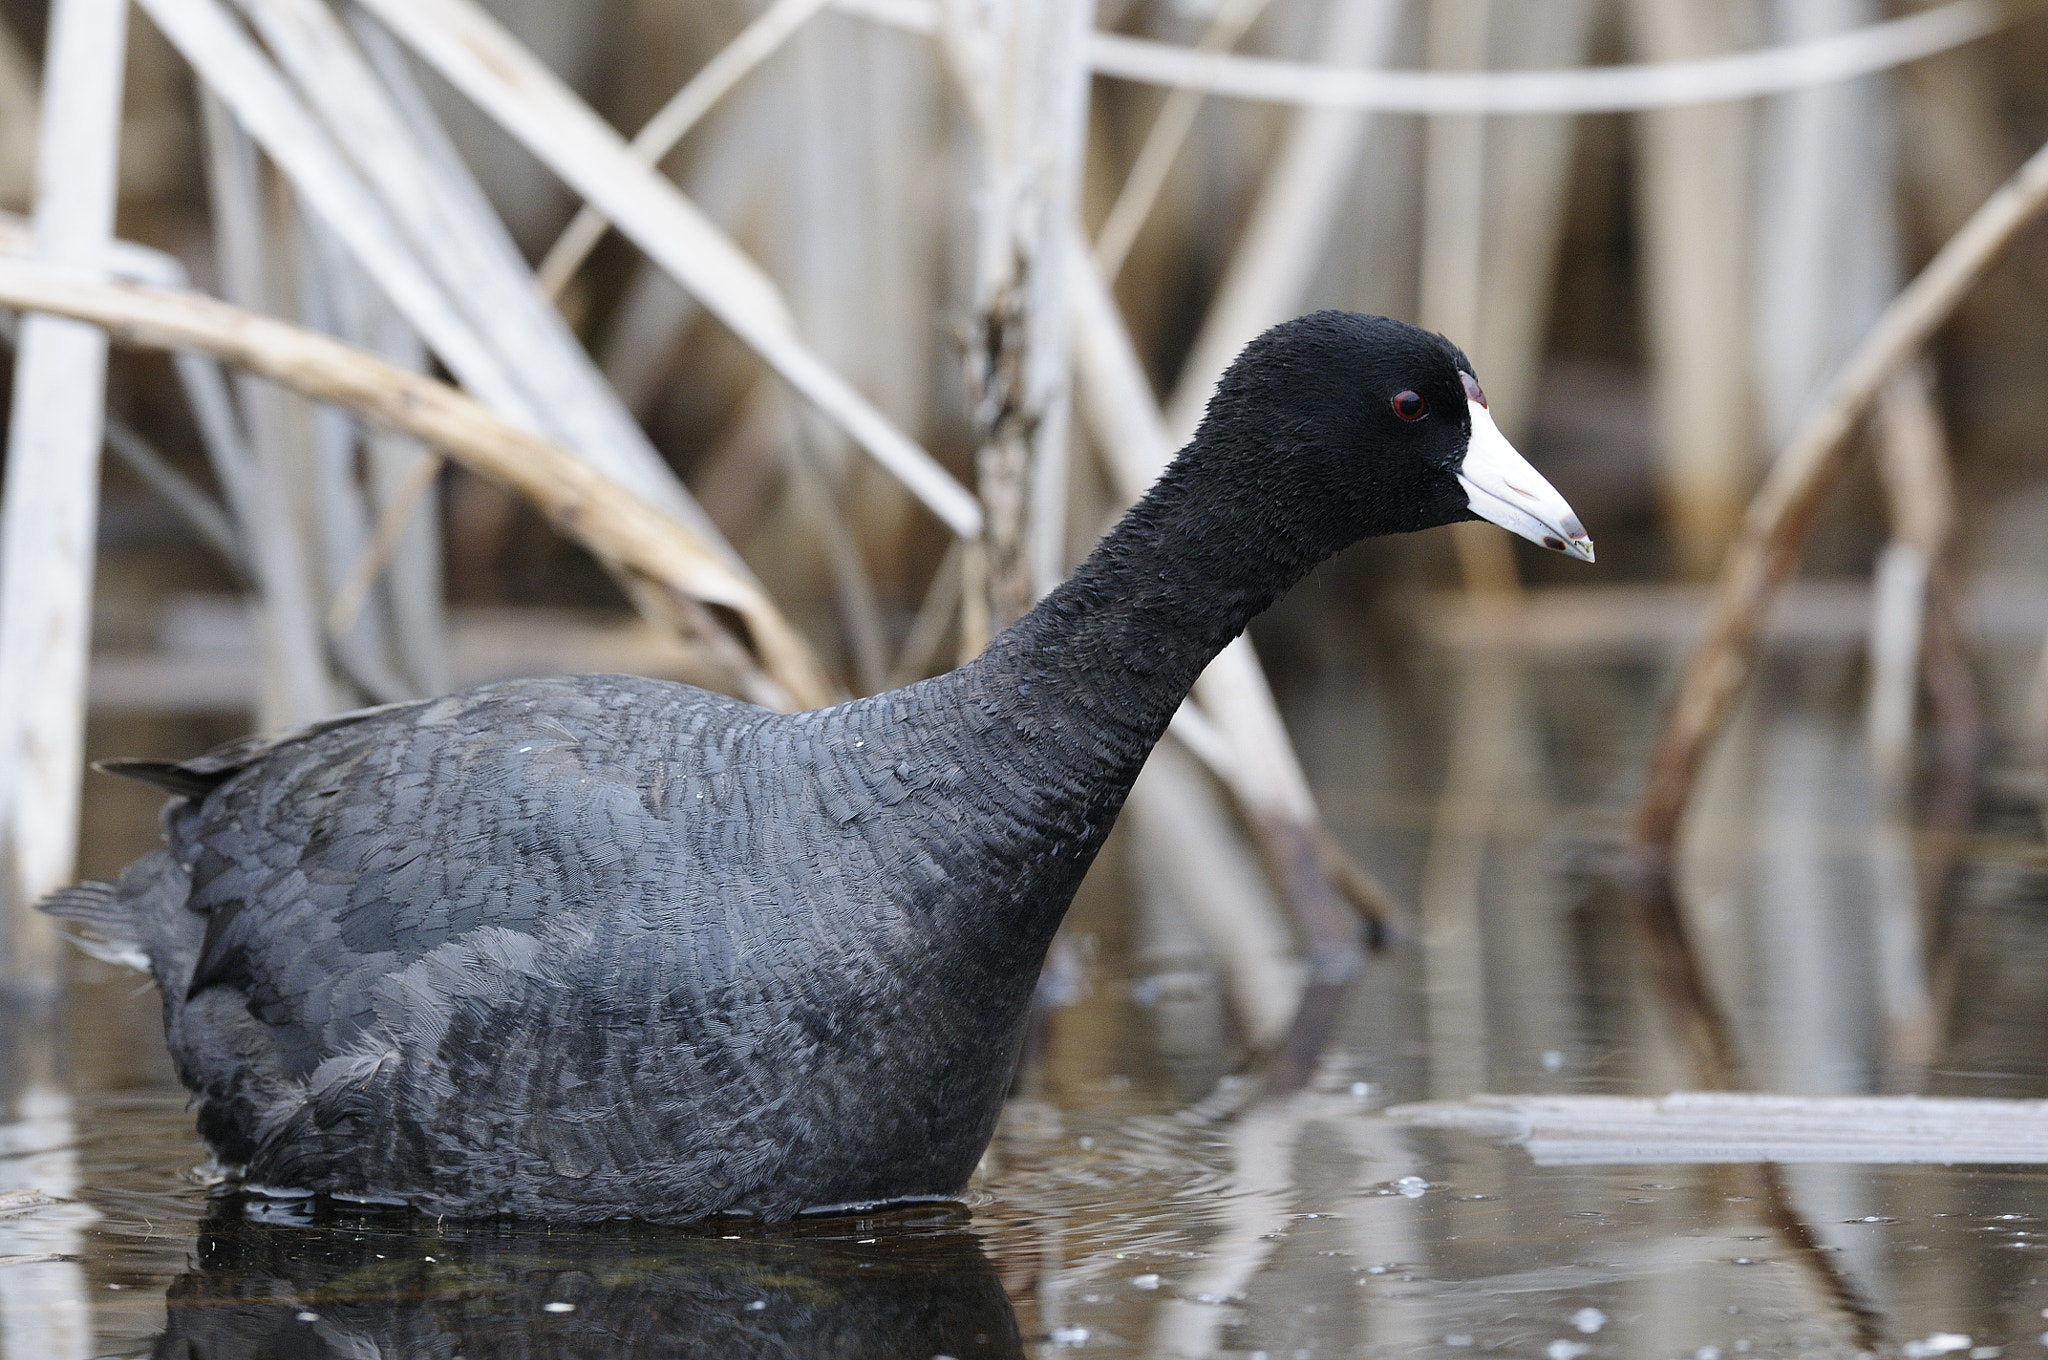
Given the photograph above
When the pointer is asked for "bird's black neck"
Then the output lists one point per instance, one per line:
(1093, 674)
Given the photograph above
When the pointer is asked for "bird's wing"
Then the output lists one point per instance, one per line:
(201, 775)
(329, 865)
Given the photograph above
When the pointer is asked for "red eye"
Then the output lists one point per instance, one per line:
(1410, 405)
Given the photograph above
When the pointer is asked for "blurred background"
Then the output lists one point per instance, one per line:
(1031, 266)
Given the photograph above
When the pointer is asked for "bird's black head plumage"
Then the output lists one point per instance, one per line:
(1348, 425)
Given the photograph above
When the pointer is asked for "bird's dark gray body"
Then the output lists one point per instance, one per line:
(578, 948)
(575, 947)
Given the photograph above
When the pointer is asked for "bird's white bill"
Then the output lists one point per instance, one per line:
(1502, 487)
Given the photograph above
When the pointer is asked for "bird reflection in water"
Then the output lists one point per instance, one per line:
(289, 1282)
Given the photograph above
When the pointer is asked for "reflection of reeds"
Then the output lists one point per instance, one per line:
(1774, 533)
(48, 524)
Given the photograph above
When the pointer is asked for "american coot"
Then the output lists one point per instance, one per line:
(596, 946)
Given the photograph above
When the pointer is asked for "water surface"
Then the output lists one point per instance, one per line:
(1139, 1201)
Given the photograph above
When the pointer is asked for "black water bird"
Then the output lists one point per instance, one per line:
(596, 946)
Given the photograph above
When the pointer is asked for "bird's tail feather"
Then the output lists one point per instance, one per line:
(110, 927)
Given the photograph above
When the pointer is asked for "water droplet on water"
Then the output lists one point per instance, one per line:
(1070, 1336)
(1566, 1350)
(1412, 1186)
(1147, 1281)
(558, 1308)
(1589, 1320)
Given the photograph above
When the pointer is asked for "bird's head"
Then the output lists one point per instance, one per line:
(1362, 425)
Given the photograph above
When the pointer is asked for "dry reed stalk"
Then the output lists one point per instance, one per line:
(1291, 220)
(1162, 144)
(757, 42)
(1191, 848)
(1784, 510)
(1694, 196)
(329, 288)
(730, 181)
(1606, 89)
(1529, 180)
(862, 106)
(49, 515)
(209, 522)
(233, 70)
(401, 508)
(466, 251)
(1020, 69)
(208, 673)
(18, 121)
(486, 64)
(1825, 235)
(205, 516)
(676, 571)
(405, 547)
(927, 635)
(1454, 198)
(1125, 425)
(204, 384)
(859, 613)
(1913, 465)
(972, 636)
(296, 685)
